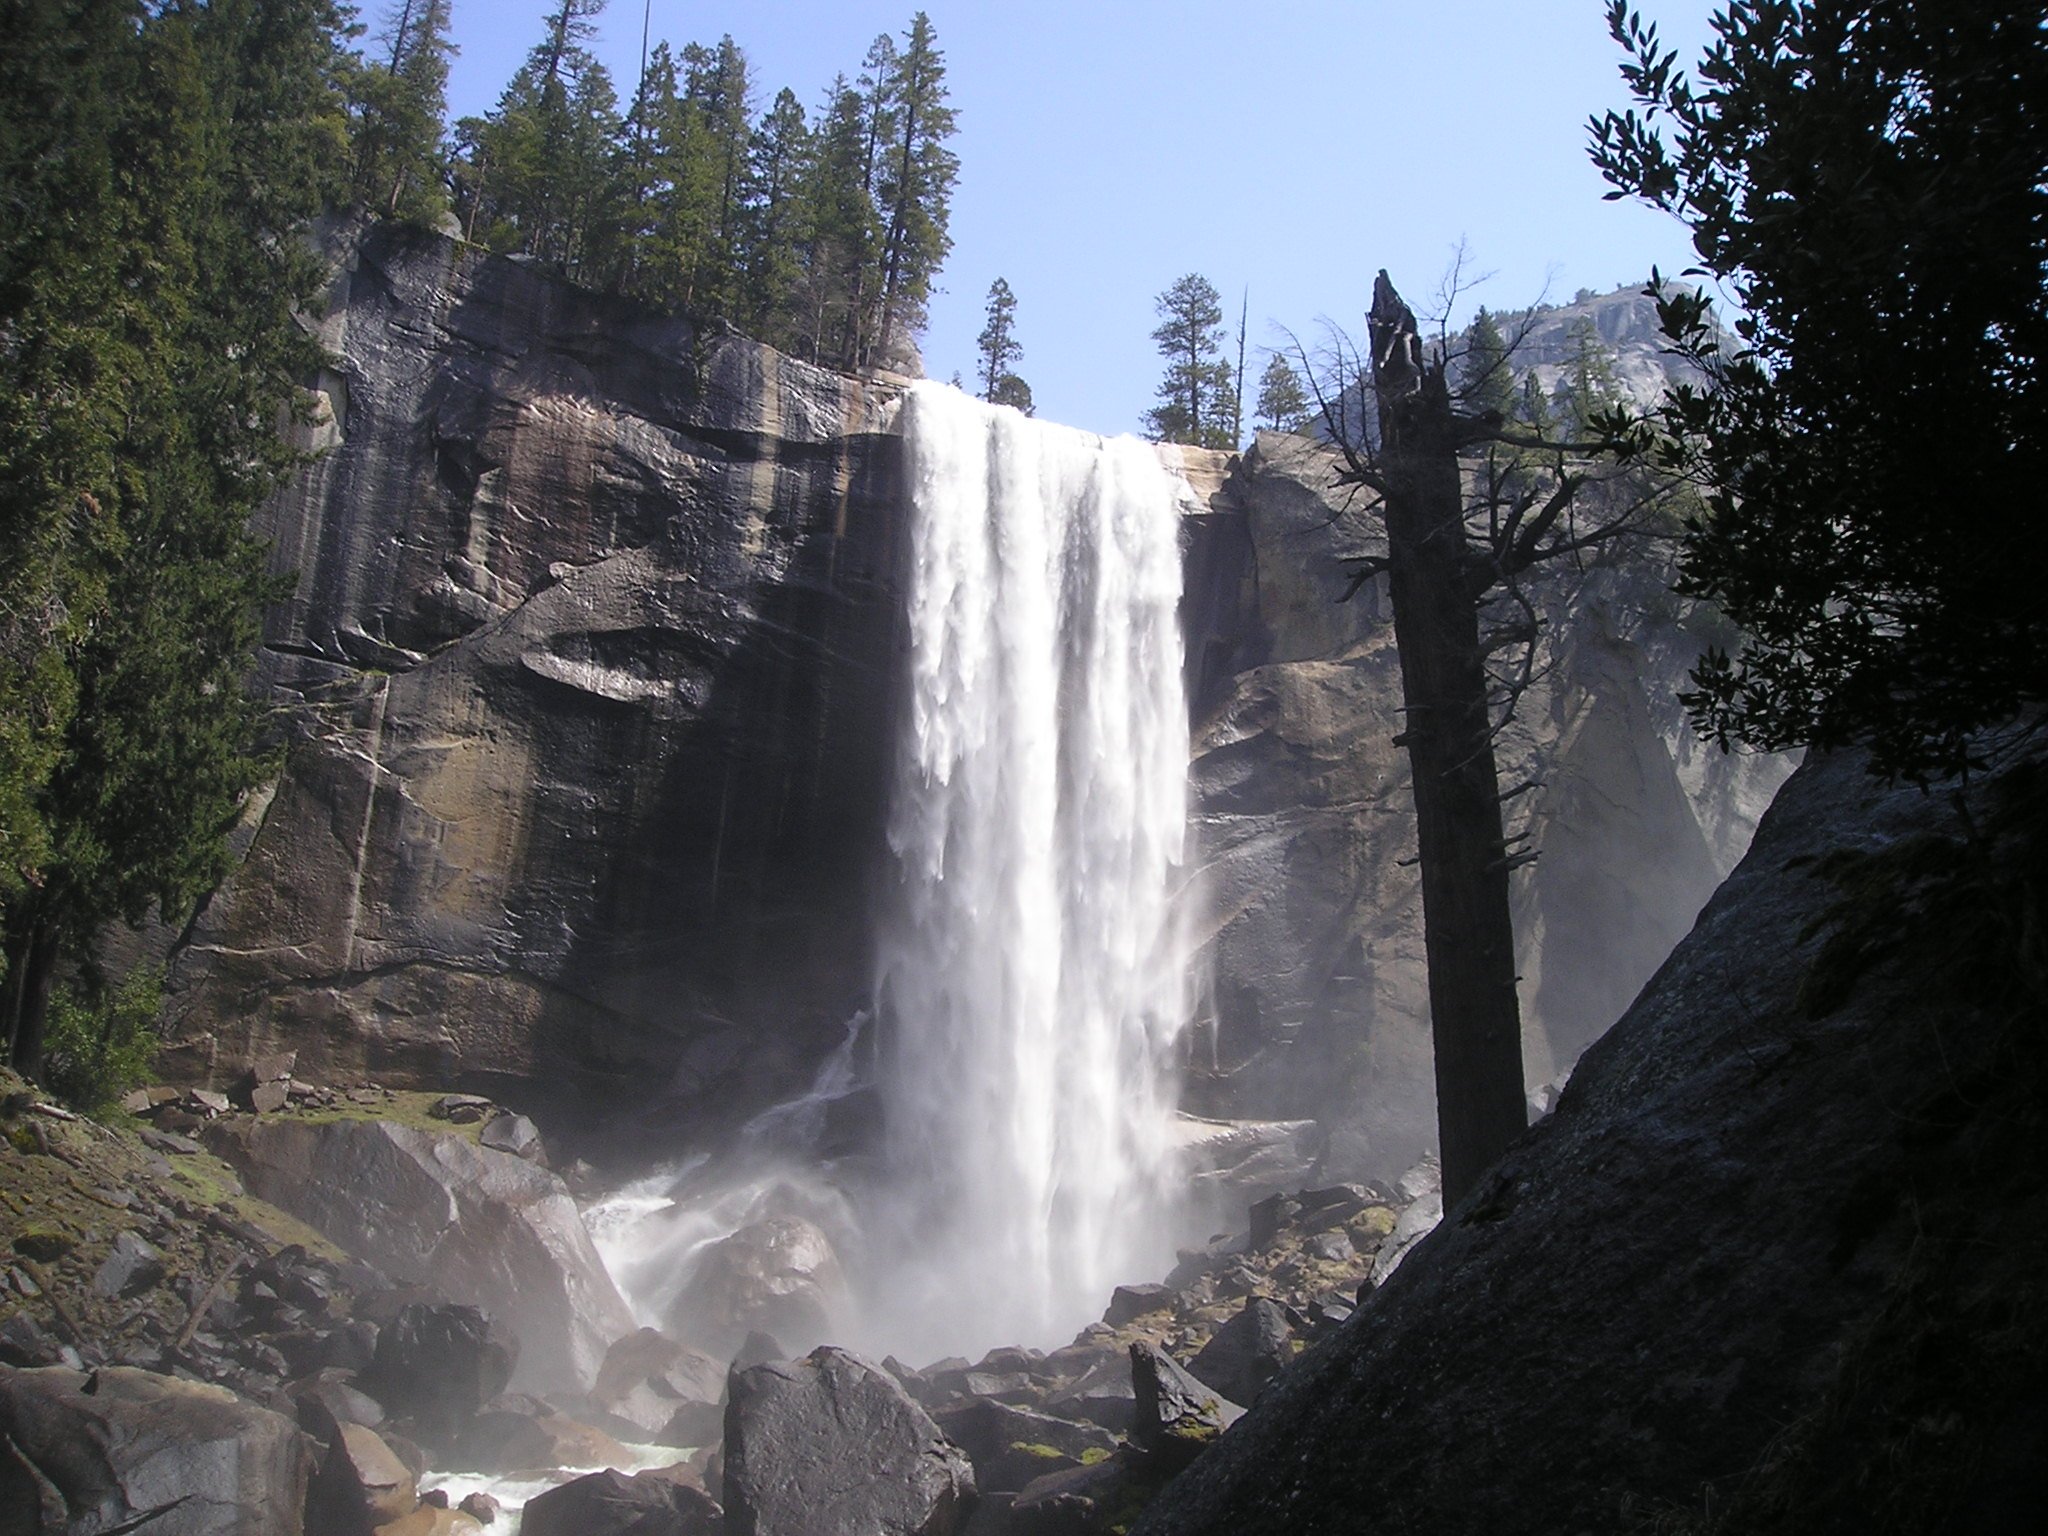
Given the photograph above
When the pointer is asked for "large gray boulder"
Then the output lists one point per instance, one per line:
(1758, 1240)
(1011, 1446)
(1177, 1416)
(1247, 1352)
(832, 1445)
(656, 1383)
(101, 1449)
(613, 1503)
(780, 1276)
(483, 1228)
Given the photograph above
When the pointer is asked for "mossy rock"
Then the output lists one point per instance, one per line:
(44, 1244)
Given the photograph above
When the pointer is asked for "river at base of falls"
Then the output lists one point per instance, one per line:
(1030, 976)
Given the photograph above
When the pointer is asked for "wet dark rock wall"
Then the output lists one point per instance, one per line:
(584, 689)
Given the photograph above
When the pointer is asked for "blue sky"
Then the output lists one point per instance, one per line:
(1290, 147)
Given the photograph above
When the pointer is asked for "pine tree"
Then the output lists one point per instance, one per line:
(223, 121)
(542, 176)
(1283, 405)
(1486, 376)
(778, 159)
(1196, 395)
(916, 186)
(1013, 392)
(998, 343)
(712, 138)
(402, 100)
(1587, 385)
(842, 233)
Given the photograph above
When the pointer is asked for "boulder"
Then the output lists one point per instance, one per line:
(1247, 1352)
(515, 1134)
(1757, 1270)
(615, 1504)
(331, 1397)
(1414, 1224)
(1011, 1446)
(831, 1445)
(362, 1484)
(480, 1507)
(1177, 1416)
(461, 1108)
(780, 1275)
(652, 1380)
(515, 1432)
(483, 1228)
(1102, 1395)
(131, 1266)
(1128, 1303)
(266, 1086)
(122, 1444)
(438, 1365)
(1076, 1501)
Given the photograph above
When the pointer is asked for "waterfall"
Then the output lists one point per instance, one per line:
(1030, 975)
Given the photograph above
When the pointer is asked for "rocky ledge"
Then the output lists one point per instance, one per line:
(371, 1299)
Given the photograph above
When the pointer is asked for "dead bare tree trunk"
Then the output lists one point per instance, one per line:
(1435, 582)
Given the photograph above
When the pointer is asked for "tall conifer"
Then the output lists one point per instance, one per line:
(223, 120)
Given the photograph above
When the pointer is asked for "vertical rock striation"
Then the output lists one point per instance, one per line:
(586, 687)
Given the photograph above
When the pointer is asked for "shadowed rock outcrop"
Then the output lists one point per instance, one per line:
(1770, 1225)
(484, 1228)
(94, 1451)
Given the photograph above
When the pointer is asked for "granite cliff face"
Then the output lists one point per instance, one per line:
(1316, 989)
(588, 682)
(1764, 1267)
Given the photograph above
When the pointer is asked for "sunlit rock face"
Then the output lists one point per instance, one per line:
(587, 688)
(1310, 909)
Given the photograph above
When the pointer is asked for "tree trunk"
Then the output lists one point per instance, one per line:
(31, 963)
(1468, 936)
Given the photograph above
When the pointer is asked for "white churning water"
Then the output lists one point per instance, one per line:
(1031, 977)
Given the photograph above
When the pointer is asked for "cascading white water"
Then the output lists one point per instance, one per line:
(1031, 976)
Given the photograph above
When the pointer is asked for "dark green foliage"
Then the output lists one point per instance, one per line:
(1197, 397)
(1587, 387)
(1015, 393)
(102, 1040)
(916, 181)
(1870, 177)
(539, 173)
(820, 238)
(401, 98)
(777, 156)
(1283, 405)
(151, 317)
(997, 343)
(1486, 377)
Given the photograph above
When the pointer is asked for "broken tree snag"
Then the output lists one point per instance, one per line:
(1475, 1019)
